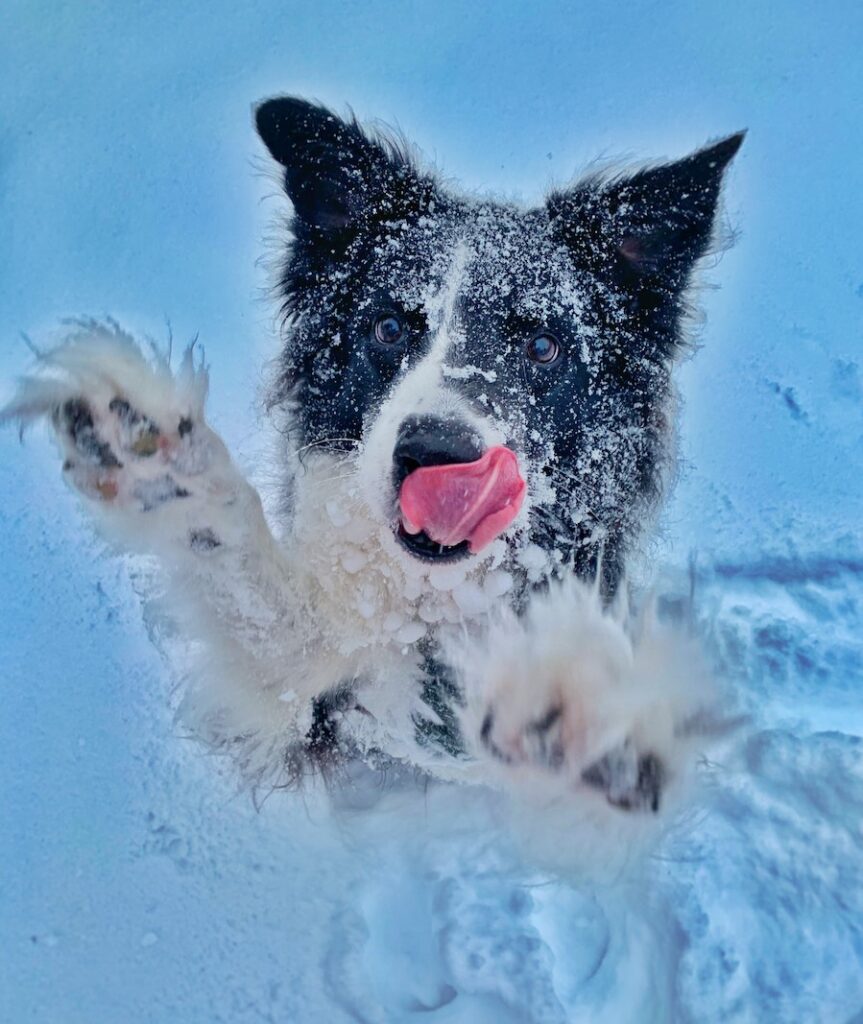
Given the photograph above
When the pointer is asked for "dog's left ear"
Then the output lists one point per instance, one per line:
(644, 233)
(338, 178)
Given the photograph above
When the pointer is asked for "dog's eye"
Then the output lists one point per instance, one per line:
(389, 330)
(543, 348)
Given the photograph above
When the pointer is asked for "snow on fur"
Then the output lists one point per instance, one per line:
(267, 627)
(612, 683)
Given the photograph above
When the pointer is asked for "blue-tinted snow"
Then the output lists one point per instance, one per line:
(135, 885)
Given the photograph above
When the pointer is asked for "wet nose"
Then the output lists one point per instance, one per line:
(433, 441)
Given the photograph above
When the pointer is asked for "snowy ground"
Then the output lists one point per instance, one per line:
(135, 885)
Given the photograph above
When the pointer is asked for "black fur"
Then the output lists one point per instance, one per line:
(370, 232)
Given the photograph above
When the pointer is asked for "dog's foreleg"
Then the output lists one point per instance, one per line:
(136, 445)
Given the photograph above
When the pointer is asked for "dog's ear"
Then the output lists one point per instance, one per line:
(338, 179)
(644, 232)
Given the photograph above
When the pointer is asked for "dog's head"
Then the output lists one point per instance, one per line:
(500, 376)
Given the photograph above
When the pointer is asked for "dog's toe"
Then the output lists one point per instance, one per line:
(539, 741)
(630, 780)
(76, 419)
(118, 454)
(138, 433)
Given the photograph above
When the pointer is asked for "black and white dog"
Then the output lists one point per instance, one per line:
(476, 409)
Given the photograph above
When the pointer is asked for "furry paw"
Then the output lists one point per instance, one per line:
(568, 701)
(630, 779)
(116, 453)
(132, 434)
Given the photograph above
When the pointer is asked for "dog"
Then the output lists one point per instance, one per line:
(475, 412)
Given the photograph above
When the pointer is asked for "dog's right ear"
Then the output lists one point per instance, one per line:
(338, 179)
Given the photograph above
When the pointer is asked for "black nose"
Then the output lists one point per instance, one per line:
(433, 441)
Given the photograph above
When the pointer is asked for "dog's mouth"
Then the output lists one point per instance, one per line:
(453, 510)
(421, 546)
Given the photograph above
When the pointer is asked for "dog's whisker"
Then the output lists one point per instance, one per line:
(329, 443)
(334, 479)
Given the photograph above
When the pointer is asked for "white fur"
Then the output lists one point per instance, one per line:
(273, 624)
(613, 680)
(423, 391)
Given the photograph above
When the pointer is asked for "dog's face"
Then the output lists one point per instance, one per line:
(500, 377)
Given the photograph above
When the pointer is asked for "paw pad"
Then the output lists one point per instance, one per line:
(120, 451)
(140, 434)
(630, 781)
(540, 742)
(77, 420)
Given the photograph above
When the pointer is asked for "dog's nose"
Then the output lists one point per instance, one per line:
(433, 441)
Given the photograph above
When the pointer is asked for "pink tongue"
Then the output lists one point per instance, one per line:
(472, 501)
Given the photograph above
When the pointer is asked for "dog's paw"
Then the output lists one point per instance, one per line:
(132, 433)
(559, 702)
(628, 778)
(115, 453)
(572, 702)
(134, 442)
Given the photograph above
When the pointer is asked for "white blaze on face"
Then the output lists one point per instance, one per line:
(423, 391)
(367, 590)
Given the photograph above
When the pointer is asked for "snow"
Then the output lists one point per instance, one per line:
(137, 884)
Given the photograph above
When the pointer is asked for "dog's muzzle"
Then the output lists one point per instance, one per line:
(454, 497)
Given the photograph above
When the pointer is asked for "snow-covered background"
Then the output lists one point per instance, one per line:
(135, 886)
